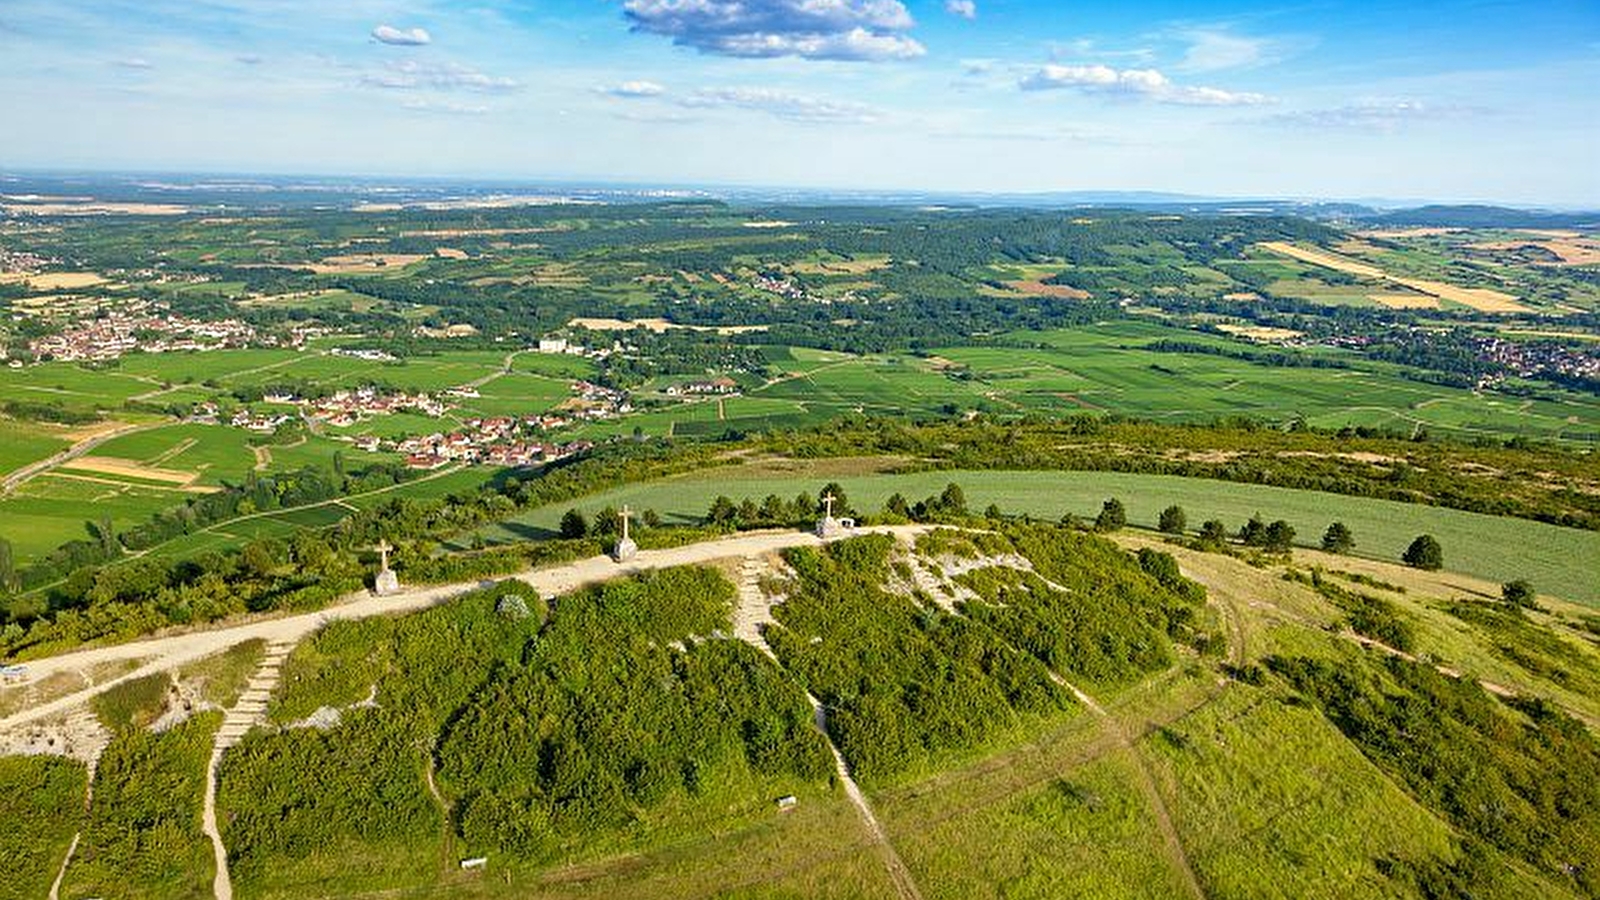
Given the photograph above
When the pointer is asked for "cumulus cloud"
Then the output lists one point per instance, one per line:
(873, 30)
(1140, 84)
(966, 9)
(411, 75)
(782, 104)
(633, 90)
(401, 37)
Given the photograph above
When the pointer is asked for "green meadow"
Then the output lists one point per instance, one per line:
(1559, 561)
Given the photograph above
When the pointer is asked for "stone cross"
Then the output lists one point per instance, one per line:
(625, 515)
(383, 549)
(827, 501)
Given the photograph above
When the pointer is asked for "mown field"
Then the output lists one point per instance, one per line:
(1559, 560)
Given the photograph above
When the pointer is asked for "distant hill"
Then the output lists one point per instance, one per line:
(1483, 216)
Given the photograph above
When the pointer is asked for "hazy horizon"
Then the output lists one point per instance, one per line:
(1464, 102)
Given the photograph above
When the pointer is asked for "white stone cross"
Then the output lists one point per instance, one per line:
(625, 515)
(383, 549)
(827, 501)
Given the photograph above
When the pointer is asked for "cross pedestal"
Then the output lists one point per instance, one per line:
(828, 526)
(386, 581)
(625, 549)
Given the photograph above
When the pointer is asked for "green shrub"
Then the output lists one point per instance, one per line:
(41, 804)
(143, 837)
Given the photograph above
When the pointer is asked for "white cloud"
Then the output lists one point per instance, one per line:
(872, 30)
(632, 90)
(401, 37)
(135, 62)
(966, 9)
(782, 104)
(411, 75)
(447, 107)
(250, 59)
(1212, 50)
(1371, 115)
(1140, 84)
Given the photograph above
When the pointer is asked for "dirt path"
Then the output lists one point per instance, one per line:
(1177, 857)
(166, 653)
(61, 873)
(752, 611)
(447, 842)
(904, 884)
(246, 712)
(504, 370)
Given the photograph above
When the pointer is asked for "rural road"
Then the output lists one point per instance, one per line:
(18, 477)
(167, 653)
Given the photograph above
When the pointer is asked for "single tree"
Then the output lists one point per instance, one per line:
(651, 518)
(574, 525)
(1112, 516)
(606, 521)
(1278, 537)
(897, 505)
(722, 511)
(774, 510)
(1213, 533)
(1173, 520)
(993, 513)
(841, 503)
(1254, 532)
(953, 500)
(1518, 593)
(1424, 553)
(1338, 539)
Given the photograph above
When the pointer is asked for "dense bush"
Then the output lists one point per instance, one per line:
(1089, 610)
(903, 684)
(41, 804)
(602, 719)
(143, 837)
(354, 798)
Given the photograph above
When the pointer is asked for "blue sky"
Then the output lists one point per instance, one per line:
(1444, 100)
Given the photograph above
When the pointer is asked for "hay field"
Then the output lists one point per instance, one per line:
(1261, 332)
(1481, 299)
(1405, 301)
(132, 468)
(1325, 259)
(1570, 248)
(1038, 288)
(55, 281)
